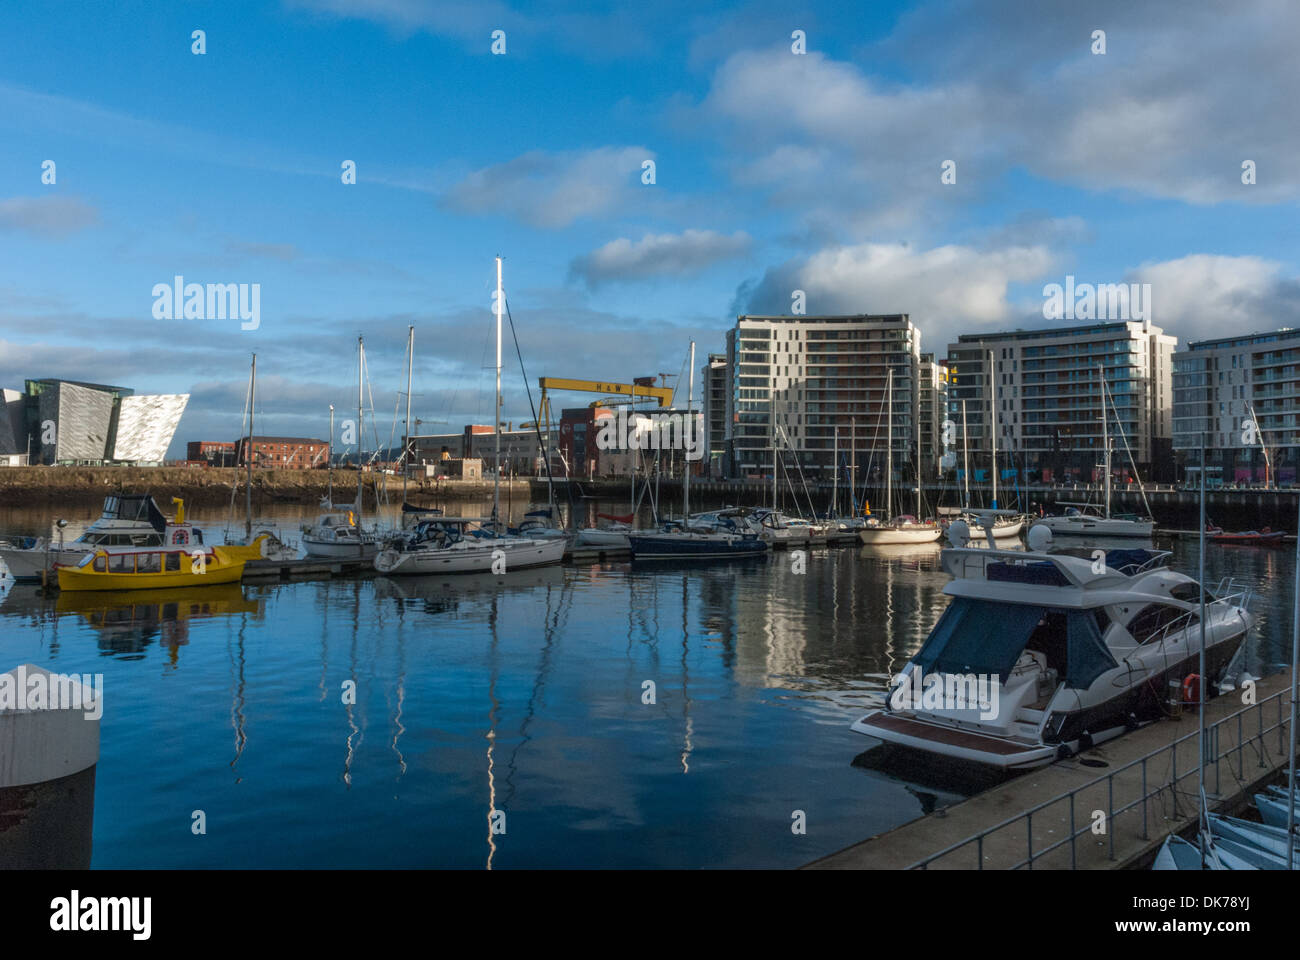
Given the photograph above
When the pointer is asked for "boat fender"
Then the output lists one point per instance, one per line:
(1063, 752)
(1131, 723)
(1192, 688)
(1085, 741)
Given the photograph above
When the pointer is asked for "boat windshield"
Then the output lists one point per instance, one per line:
(987, 637)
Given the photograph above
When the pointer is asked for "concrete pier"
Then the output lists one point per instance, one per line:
(1144, 801)
(47, 770)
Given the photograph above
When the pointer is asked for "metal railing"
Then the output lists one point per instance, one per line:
(1147, 795)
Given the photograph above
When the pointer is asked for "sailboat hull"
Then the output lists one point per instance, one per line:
(473, 557)
(1097, 527)
(880, 536)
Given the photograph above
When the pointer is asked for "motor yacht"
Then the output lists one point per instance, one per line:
(1041, 653)
(128, 520)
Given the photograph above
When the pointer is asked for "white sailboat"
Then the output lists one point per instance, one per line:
(901, 529)
(340, 533)
(440, 544)
(1082, 519)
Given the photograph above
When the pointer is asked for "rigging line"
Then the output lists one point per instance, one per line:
(1123, 436)
(243, 432)
(880, 413)
(537, 427)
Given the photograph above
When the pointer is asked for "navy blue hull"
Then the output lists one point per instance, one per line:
(686, 548)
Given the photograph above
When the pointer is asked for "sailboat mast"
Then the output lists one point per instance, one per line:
(248, 490)
(361, 373)
(1105, 433)
(690, 415)
(410, 365)
(916, 419)
(329, 455)
(993, 427)
(835, 477)
(496, 488)
(853, 461)
(889, 448)
(1200, 683)
(965, 454)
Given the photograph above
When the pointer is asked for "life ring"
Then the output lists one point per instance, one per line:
(1192, 688)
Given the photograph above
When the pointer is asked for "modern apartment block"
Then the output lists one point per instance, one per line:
(1221, 384)
(714, 381)
(798, 382)
(1040, 390)
(933, 400)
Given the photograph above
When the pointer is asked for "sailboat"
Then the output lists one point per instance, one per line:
(270, 545)
(440, 544)
(716, 535)
(339, 534)
(899, 529)
(1082, 519)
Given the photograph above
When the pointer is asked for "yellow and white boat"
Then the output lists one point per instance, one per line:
(143, 569)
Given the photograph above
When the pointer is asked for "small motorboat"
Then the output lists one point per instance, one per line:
(151, 569)
(1264, 538)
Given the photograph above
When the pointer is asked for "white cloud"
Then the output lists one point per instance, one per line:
(662, 254)
(947, 290)
(1203, 296)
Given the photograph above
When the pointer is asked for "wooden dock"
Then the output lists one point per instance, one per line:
(308, 568)
(1149, 793)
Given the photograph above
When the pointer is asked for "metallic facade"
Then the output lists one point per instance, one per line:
(146, 425)
(82, 419)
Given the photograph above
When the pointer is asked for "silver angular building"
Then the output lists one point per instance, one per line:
(73, 423)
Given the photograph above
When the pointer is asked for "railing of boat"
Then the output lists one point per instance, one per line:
(1228, 593)
(1098, 796)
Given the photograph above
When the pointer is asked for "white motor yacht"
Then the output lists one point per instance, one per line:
(338, 536)
(128, 520)
(1042, 654)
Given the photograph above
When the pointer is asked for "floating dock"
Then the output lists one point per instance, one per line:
(308, 568)
(1109, 808)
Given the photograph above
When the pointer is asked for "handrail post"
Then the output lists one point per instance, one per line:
(1110, 813)
(1074, 860)
(1144, 799)
(1029, 837)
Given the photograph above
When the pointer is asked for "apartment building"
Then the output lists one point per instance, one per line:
(933, 401)
(802, 387)
(1040, 391)
(713, 377)
(1241, 396)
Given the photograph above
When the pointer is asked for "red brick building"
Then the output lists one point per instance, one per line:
(212, 453)
(284, 453)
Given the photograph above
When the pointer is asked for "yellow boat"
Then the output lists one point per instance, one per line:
(151, 569)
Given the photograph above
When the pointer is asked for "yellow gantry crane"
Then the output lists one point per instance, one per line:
(642, 389)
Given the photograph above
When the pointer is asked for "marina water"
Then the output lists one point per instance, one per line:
(528, 695)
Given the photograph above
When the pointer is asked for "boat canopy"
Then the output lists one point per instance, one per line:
(135, 507)
(987, 637)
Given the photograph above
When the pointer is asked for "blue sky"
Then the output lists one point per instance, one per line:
(774, 171)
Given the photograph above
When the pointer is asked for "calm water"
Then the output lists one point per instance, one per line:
(522, 695)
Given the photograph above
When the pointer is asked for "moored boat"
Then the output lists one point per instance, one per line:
(440, 546)
(151, 569)
(127, 520)
(1058, 654)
